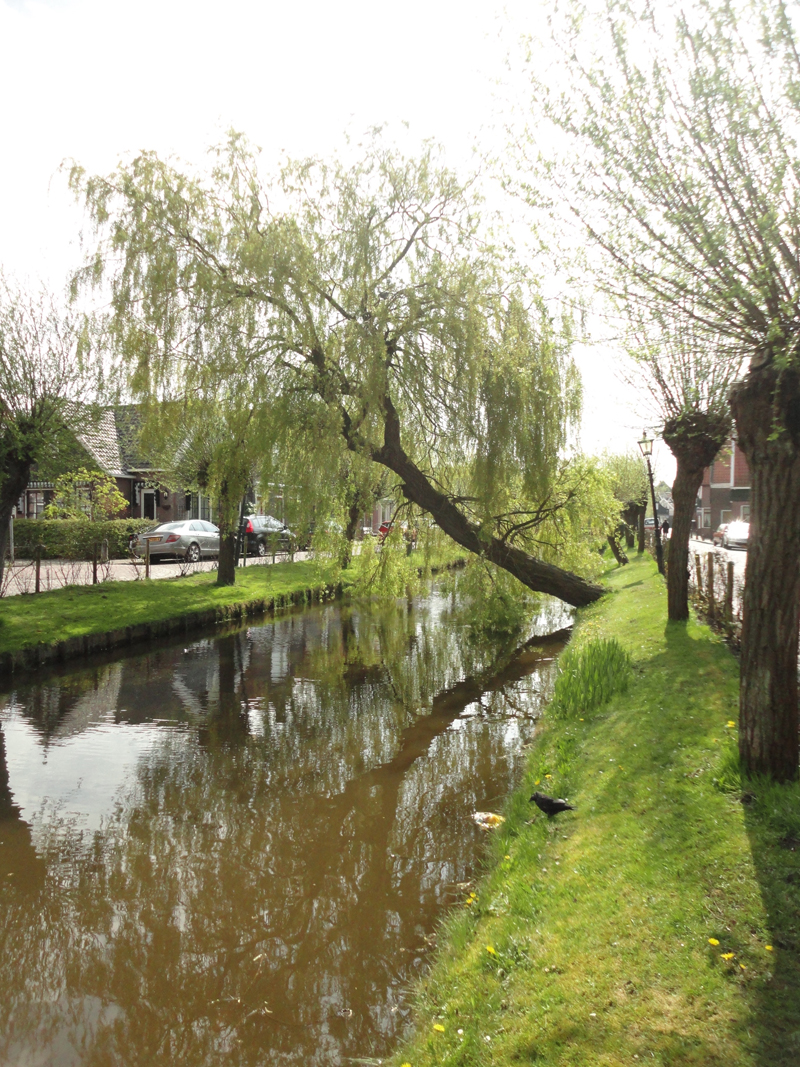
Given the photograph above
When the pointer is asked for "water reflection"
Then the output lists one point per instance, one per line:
(239, 848)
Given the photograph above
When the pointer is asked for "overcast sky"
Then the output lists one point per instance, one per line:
(98, 80)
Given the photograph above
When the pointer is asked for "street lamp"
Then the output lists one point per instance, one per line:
(646, 447)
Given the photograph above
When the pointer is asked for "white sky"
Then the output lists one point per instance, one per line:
(96, 80)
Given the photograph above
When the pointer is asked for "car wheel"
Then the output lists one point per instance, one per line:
(261, 548)
(193, 552)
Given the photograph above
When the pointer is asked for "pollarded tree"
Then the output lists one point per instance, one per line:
(44, 383)
(375, 316)
(689, 384)
(683, 166)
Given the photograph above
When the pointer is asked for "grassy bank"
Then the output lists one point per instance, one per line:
(81, 610)
(660, 922)
(73, 621)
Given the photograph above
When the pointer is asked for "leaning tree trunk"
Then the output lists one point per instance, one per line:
(694, 439)
(766, 406)
(535, 574)
(616, 548)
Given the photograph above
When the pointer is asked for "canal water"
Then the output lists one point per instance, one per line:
(237, 850)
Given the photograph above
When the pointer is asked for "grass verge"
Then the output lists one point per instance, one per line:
(660, 922)
(80, 610)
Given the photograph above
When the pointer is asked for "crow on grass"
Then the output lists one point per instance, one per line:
(549, 805)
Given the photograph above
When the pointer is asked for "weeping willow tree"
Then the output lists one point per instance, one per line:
(373, 318)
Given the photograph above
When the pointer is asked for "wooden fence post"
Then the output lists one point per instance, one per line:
(38, 567)
(729, 593)
(147, 558)
(698, 567)
(94, 563)
(244, 551)
(710, 587)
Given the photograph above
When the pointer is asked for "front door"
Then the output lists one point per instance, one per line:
(148, 504)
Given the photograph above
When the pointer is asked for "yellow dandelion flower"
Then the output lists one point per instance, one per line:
(743, 966)
(727, 956)
(713, 941)
(537, 781)
(474, 896)
(506, 857)
(730, 724)
(438, 1027)
(467, 902)
(490, 950)
(768, 948)
(548, 776)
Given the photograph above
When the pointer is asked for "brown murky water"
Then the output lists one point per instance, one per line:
(237, 851)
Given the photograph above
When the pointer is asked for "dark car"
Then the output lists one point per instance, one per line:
(266, 534)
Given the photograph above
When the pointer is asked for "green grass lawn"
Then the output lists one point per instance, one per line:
(88, 609)
(660, 922)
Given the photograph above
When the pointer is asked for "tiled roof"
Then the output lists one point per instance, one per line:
(100, 441)
(128, 422)
(112, 440)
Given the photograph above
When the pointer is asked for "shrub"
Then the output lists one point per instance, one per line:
(588, 677)
(74, 538)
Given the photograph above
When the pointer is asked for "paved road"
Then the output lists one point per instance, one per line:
(54, 574)
(737, 555)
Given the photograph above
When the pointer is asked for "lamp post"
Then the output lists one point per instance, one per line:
(646, 447)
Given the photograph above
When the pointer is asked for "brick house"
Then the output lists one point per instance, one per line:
(725, 493)
(111, 444)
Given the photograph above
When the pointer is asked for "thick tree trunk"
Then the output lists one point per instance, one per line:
(535, 574)
(766, 406)
(694, 440)
(226, 571)
(684, 496)
(640, 529)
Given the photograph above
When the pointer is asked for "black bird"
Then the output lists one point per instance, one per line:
(549, 805)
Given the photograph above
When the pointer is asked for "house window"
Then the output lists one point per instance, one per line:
(705, 518)
(725, 516)
(744, 513)
(36, 503)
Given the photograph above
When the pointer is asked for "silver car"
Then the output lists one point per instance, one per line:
(191, 539)
(736, 535)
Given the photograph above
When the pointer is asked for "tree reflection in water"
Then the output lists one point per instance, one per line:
(263, 886)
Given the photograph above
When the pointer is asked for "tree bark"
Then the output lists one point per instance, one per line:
(226, 570)
(353, 515)
(766, 406)
(619, 555)
(535, 574)
(640, 529)
(694, 440)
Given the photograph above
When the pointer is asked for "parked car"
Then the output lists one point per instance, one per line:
(736, 535)
(191, 539)
(719, 533)
(649, 524)
(265, 534)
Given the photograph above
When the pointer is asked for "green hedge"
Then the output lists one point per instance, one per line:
(73, 538)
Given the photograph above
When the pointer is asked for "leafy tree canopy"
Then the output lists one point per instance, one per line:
(373, 315)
